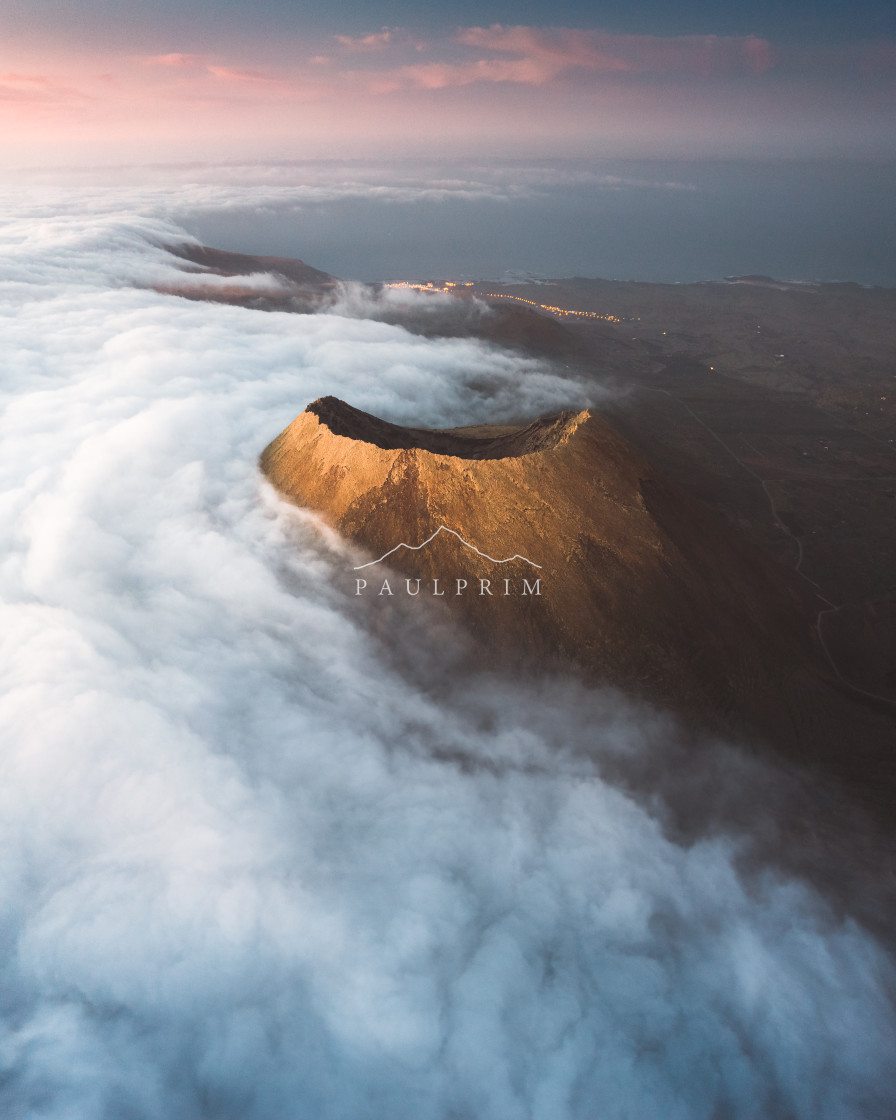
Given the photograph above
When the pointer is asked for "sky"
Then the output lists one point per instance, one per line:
(132, 82)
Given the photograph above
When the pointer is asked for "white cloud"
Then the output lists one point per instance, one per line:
(240, 873)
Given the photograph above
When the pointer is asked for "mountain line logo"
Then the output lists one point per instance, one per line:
(532, 587)
(445, 529)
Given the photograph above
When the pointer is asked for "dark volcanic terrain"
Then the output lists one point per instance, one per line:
(772, 403)
(637, 583)
(776, 405)
(754, 429)
(291, 284)
(724, 528)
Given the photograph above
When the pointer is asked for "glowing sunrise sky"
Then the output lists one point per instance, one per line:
(142, 82)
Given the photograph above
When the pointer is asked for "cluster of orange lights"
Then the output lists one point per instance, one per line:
(429, 287)
(451, 286)
(552, 309)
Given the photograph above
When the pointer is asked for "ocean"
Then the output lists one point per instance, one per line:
(672, 222)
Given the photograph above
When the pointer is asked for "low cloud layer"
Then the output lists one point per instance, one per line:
(438, 219)
(255, 865)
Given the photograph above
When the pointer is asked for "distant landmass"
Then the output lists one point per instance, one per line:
(225, 263)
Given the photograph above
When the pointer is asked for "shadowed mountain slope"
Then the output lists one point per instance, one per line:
(225, 263)
(639, 584)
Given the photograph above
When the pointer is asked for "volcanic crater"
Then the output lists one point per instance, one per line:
(483, 442)
(639, 584)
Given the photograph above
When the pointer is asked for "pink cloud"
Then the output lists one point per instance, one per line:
(376, 41)
(36, 88)
(545, 54)
(758, 54)
(198, 67)
(390, 38)
(533, 71)
(700, 55)
(550, 89)
(233, 74)
(552, 50)
(174, 59)
(25, 82)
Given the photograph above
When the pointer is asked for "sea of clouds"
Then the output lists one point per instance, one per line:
(257, 859)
